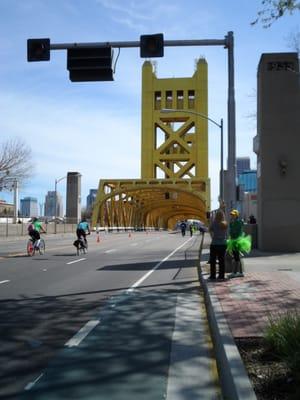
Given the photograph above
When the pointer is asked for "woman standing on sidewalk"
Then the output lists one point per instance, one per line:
(217, 230)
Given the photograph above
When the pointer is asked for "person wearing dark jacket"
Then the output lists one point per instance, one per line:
(218, 232)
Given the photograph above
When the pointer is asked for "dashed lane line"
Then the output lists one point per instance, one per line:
(82, 333)
(31, 384)
(6, 281)
(137, 283)
(76, 261)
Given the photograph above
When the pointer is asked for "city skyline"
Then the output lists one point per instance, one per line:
(95, 128)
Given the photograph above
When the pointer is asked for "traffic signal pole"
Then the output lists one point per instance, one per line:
(228, 43)
(167, 43)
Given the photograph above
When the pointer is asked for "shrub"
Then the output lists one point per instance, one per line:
(283, 336)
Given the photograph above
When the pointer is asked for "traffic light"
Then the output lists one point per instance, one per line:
(152, 45)
(86, 64)
(38, 49)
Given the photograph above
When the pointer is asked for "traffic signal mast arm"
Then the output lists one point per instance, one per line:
(167, 43)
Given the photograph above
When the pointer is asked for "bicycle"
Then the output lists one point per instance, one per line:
(81, 245)
(32, 247)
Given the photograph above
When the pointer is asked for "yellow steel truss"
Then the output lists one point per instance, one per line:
(174, 164)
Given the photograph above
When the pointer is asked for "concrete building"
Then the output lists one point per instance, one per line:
(249, 205)
(277, 147)
(242, 164)
(91, 198)
(73, 208)
(50, 205)
(247, 195)
(6, 209)
(29, 207)
(248, 180)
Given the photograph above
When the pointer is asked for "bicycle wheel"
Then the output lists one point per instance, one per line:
(30, 248)
(42, 246)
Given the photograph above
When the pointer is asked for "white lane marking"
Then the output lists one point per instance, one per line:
(31, 384)
(137, 283)
(205, 251)
(133, 244)
(82, 333)
(80, 259)
(6, 281)
(110, 251)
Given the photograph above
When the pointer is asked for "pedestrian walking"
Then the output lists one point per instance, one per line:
(218, 232)
(183, 228)
(191, 229)
(237, 244)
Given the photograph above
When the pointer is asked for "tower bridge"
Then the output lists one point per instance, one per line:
(174, 182)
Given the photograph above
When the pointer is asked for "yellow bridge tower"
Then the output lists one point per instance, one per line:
(174, 182)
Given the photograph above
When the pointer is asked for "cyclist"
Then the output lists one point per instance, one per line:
(34, 230)
(82, 230)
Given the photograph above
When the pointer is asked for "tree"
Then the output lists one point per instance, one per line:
(294, 41)
(15, 161)
(273, 10)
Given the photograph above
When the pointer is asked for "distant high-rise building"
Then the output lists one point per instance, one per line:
(29, 207)
(248, 180)
(73, 209)
(242, 164)
(50, 204)
(91, 198)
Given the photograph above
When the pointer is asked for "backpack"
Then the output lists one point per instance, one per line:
(30, 228)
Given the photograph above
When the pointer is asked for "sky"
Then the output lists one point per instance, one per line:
(95, 128)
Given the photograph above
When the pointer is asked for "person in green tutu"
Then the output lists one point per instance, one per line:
(237, 244)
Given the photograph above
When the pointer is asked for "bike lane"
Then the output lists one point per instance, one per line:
(125, 356)
(149, 343)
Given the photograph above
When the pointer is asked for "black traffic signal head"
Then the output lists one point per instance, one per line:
(86, 64)
(152, 45)
(38, 49)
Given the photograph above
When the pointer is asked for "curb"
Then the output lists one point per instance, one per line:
(234, 380)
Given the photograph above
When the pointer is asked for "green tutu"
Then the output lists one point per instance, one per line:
(242, 244)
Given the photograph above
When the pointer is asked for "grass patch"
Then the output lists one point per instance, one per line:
(283, 336)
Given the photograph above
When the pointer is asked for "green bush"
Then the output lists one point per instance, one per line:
(283, 336)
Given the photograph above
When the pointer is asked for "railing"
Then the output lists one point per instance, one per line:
(9, 229)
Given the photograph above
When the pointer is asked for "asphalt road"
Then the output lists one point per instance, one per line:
(94, 326)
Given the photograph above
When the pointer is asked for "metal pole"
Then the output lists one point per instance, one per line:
(231, 200)
(16, 200)
(55, 205)
(222, 168)
(167, 43)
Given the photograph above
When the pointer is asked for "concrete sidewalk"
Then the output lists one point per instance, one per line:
(271, 285)
(240, 307)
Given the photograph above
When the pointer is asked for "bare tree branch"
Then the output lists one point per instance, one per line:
(15, 161)
(294, 41)
(275, 9)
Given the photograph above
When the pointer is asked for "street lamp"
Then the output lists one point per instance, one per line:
(55, 200)
(13, 185)
(219, 125)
